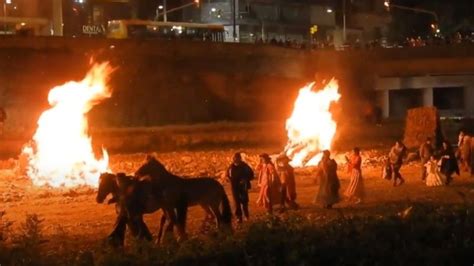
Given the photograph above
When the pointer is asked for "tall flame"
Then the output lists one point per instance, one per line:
(61, 153)
(311, 127)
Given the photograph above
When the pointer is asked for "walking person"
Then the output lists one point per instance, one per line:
(466, 153)
(240, 174)
(449, 164)
(355, 191)
(328, 193)
(426, 151)
(269, 183)
(287, 180)
(396, 155)
(3, 117)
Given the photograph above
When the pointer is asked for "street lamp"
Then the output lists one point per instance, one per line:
(5, 3)
(160, 7)
(344, 21)
(329, 10)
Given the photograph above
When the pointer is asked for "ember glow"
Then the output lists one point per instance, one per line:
(60, 153)
(311, 127)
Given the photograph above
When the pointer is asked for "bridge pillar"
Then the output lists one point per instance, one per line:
(428, 97)
(468, 98)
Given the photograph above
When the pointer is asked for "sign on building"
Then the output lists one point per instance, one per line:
(93, 29)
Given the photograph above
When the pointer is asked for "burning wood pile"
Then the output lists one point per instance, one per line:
(60, 153)
(311, 127)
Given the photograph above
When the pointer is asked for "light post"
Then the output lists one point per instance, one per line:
(165, 14)
(234, 24)
(5, 3)
(344, 21)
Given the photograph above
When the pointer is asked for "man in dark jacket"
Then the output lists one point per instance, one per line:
(239, 175)
(396, 155)
(426, 151)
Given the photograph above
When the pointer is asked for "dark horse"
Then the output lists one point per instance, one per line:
(183, 192)
(133, 198)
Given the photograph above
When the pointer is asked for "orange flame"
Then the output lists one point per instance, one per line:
(60, 153)
(311, 127)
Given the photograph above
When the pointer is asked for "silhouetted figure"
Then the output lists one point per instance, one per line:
(239, 175)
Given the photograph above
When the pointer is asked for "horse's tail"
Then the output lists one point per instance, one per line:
(226, 211)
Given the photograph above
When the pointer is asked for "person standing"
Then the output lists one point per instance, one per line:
(287, 180)
(449, 164)
(269, 183)
(466, 153)
(328, 193)
(433, 175)
(426, 151)
(3, 117)
(356, 190)
(396, 155)
(240, 174)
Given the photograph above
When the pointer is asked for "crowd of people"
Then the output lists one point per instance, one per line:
(437, 165)
(277, 185)
(409, 42)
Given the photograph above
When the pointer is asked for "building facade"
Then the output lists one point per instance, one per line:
(266, 20)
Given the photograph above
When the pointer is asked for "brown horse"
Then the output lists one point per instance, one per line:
(133, 198)
(183, 192)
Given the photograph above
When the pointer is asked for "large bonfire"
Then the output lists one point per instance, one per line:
(311, 127)
(61, 154)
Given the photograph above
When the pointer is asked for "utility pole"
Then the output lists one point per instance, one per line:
(165, 12)
(5, 17)
(57, 18)
(344, 21)
(234, 14)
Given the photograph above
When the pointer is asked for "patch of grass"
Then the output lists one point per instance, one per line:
(419, 235)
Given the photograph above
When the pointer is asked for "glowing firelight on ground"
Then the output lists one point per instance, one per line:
(311, 127)
(61, 153)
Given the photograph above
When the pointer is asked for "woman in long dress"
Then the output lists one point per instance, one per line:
(328, 193)
(355, 191)
(269, 183)
(434, 178)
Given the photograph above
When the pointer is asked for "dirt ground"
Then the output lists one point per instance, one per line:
(73, 213)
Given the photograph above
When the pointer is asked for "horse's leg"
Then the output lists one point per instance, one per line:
(181, 213)
(117, 236)
(169, 215)
(217, 214)
(208, 212)
(143, 231)
(162, 224)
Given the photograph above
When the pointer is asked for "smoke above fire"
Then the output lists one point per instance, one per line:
(311, 127)
(60, 153)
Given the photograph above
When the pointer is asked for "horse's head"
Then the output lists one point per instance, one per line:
(152, 167)
(107, 185)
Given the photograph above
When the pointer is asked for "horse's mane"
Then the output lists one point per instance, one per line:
(155, 167)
